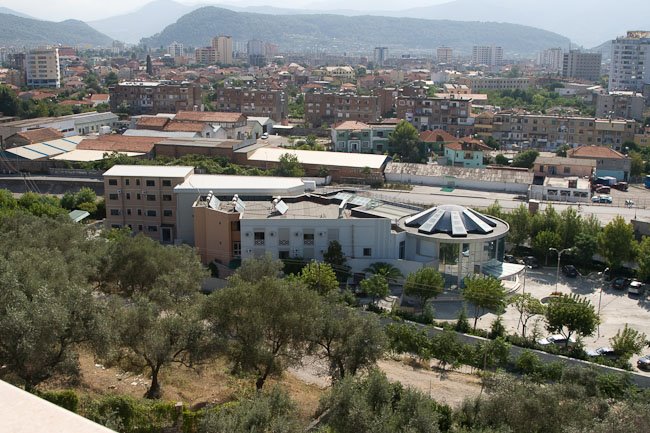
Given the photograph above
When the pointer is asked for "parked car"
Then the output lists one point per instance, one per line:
(602, 199)
(606, 352)
(621, 186)
(603, 189)
(529, 261)
(556, 339)
(570, 271)
(635, 288)
(620, 283)
(644, 363)
(265, 136)
(509, 258)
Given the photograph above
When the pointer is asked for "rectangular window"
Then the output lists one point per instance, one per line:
(112, 182)
(236, 248)
(126, 182)
(128, 196)
(167, 197)
(112, 196)
(151, 213)
(115, 212)
(151, 182)
(128, 211)
(151, 197)
(139, 212)
(138, 196)
(567, 170)
(166, 182)
(152, 228)
(140, 227)
(367, 252)
(308, 238)
(259, 238)
(167, 212)
(402, 250)
(137, 182)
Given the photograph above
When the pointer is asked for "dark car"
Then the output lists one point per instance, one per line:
(620, 283)
(530, 261)
(644, 363)
(570, 271)
(509, 258)
(621, 186)
(603, 189)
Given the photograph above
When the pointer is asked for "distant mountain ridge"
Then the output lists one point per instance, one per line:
(18, 31)
(4, 10)
(345, 33)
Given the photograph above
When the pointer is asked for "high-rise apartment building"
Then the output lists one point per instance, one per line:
(582, 66)
(223, 49)
(551, 59)
(630, 67)
(205, 56)
(487, 55)
(42, 68)
(256, 52)
(176, 49)
(445, 54)
(381, 54)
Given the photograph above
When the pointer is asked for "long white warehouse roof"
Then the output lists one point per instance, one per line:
(149, 171)
(313, 157)
(243, 185)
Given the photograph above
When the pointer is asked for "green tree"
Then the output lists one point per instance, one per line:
(519, 220)
(637, 164)
(376, 286)
(388, 271)
(543, 241)
(561, 151)
(350, 341)
(525, 159)
(628, 342)
(404, 142)
(289, 166)
(254, 269)
(528, 307)
(571, 314)
(500, 159)
(7, 201)
(424, 284)
(643, 259)
(485, 293)
(265, 326)
(616, 242)
(336, 258)
(570, 225)
(462, 324)
(8, 101)
(111, 79)
(41, 205)
(319, 277)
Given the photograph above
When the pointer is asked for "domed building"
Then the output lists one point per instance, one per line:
(459, 242)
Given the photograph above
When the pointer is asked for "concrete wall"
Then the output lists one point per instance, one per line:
(442, 181)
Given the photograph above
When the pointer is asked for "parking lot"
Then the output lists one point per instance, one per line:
(616, 307)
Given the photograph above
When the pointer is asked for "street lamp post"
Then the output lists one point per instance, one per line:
(559, 257)
(600, 297)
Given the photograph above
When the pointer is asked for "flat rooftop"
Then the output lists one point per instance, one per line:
(149, 171)
(560, 182)
(311, 157)
(239, 184)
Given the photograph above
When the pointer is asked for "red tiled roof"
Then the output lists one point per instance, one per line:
(119, 143)
(594, 152)
(437, 136)
(151, 121)
(351, 125)
(185, 126)
(391, 121)
(99, 97)
(209, 116)
(40, 135)
(469, 144)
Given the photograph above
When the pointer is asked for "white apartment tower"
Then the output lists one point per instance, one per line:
(176, 49)
(551, 59)
(42, 68)
(630, 67)
(223, 49)
(445, 54)
(381, 54)
(487, 55)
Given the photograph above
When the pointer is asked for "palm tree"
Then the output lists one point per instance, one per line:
(386, 270)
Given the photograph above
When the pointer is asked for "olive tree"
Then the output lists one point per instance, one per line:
(424, 284)
(485, 293)
(571, 314)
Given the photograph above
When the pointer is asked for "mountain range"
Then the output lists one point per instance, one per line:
(357, 33)
(19, 31)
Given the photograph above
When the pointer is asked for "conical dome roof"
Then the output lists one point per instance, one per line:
(456, 221)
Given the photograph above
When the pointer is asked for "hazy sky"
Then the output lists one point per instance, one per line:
(88, 10)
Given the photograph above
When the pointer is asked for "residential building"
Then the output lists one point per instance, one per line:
(176, 49)
(487, 55)
(235, 124)
(445, 55)
(629, 69)
(608, 161)
(387, 98)
(549, 132)
(551, 60)
(436, 140)
(223, 49)
(358, 137)
(563, 167)
(343, 73)
(466, 152)
(380, 56)
(205, 56)
(256, 52)
(452, 114)
(153, 97)
(42, 68)
(142, 198)
(569, 189)
(582, 66)
(335, 107)
(477, 83)
(620, 104)
(253, 102)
